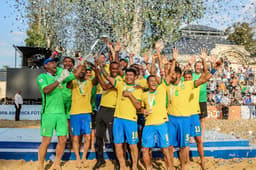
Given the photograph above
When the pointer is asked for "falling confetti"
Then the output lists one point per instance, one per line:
(75, 25)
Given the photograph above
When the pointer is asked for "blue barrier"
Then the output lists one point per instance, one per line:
(24, 143)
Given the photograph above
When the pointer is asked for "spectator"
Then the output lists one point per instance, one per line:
(18, 101)
(222, 86)
(225, 102)
(247, 99)
(253, 98)
(234, 81)
(218, 97)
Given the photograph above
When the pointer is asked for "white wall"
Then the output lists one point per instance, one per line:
(2, 89)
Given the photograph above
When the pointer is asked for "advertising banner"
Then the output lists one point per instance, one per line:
(28, 112)
(245, 112)
(234, 113)
(214, 112)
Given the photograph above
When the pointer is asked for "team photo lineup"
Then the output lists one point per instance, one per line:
(136, 106)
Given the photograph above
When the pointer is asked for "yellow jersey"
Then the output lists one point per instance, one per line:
(99, 88)
(180, 98)
(124, 107)
(109, 97)
(155, 103)
(81, 97)
(142, 82)
(194, 104)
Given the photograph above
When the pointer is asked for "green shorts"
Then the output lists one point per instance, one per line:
(67, 106)
(53, 121)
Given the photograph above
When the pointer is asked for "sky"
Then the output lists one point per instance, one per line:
(12, 32)
(219, 14)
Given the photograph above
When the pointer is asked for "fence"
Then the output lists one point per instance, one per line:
(32, 112)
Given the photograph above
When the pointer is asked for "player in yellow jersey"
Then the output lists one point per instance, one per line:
(156, 117)
(195, 126)
(195, 129)
(180, 95)
(140, 82)
(125, 122)
(80, 113)
(104, 118)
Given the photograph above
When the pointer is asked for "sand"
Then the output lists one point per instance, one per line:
(211, 164)
(245, 129)
(20, 124)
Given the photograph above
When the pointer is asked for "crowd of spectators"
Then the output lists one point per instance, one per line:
(236, 86)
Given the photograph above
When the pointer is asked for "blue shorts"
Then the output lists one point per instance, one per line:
(81, 124)
(125, 129)
(195, 125)
(155, 135)
(178, 130)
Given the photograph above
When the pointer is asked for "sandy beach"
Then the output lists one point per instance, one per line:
(211, 164)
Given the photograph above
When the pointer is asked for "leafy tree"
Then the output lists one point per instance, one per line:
(75, 24)
(137, 23)
(242, 34)
(35, 37)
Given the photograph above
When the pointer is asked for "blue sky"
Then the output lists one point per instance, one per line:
(218, 14)
(12, 31)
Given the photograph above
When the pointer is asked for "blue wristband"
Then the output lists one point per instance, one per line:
(213, 71)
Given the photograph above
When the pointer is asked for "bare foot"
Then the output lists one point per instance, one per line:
(55, 167)
(78, 164)
(85, 163)
(134, 168)
(40, 167)
(203, 166)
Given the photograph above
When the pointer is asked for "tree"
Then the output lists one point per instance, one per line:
(35, 38)
(137, 23)
(47, 22)
(242, 34)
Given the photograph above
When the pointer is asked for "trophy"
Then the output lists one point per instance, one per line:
(104, 38)
(59, 49)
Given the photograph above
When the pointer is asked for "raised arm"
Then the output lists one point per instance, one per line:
(111, 52)
(106, 75)
(175, 54)
(117, 50)
(153, 65)
(153, 68)
(205, 77)
(203, 58)
(146, 58)
(102, 83)
(64, 74)
(79, 69)
(158, 53)
(131, 55)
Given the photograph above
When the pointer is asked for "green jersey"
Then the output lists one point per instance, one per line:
(66, 92)
(52, 102)
(203, 88)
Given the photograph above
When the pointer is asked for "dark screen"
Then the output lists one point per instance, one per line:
(25, 80)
